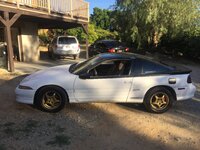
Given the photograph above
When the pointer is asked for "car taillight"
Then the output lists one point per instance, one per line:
(112, 50)
(127, 49)
(189, 79)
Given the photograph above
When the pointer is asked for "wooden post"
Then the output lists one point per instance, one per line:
(88, 15)
(7, 34)
(85, 29)
(18, 4)
(87, 43)
(20, 45)
(9, 42)
(71, 7)
(49, 6)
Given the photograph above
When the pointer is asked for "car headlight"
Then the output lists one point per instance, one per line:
(24, 87)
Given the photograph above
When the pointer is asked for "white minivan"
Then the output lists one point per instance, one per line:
(64, 46)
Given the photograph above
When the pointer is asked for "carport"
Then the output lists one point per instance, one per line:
(26, 17)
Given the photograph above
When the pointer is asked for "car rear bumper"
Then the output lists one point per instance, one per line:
(187, 93)
(25, 96)
(66, 52)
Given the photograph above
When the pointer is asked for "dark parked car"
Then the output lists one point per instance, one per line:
(107, 46)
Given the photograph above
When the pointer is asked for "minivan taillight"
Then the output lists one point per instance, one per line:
(189, 79)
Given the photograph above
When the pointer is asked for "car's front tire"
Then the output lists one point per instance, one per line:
(51, 99)
(158, 100)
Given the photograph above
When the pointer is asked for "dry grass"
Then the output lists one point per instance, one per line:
(4, 72)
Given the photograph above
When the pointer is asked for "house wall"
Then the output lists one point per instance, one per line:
(30, 42)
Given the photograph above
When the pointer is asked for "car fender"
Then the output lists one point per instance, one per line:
(141, 85)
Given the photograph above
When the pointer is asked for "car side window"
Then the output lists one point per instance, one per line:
(112, 68)
(142, 67)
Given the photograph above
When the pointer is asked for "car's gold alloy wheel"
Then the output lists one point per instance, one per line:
(51, 100)
(159, 101)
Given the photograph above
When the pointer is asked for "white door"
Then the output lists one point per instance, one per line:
(102, 89)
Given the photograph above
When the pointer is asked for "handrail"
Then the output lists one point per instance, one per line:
(72, 8)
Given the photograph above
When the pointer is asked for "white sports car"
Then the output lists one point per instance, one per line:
(124, 78)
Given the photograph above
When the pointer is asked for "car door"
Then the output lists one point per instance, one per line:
(103, 87)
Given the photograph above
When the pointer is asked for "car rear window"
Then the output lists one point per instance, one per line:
(67, 40)
(112, 43)
(142, 67)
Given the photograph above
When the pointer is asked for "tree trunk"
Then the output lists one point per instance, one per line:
(155, 39)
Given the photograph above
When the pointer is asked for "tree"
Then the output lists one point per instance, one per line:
(101, 18)
(145, 22)
(94, 32)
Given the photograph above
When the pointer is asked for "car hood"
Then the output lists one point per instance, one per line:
(58, 75)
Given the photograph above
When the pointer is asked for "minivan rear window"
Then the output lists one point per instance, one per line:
(67, 40)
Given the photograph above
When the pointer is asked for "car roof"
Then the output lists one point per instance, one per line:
(105, 41)
(66, 36)
(123, 56)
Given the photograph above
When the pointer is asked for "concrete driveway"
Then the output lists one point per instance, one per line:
(46, 62)
(27, 68)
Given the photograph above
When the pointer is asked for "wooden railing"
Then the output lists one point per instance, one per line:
(72, 8)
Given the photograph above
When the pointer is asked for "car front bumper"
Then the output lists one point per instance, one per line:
(25, 96)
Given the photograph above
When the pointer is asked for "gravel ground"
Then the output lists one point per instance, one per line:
(97, 126)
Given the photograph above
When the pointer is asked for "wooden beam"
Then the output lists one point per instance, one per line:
(85, 28)
(3, 21)
(14, 19)
(41, 14)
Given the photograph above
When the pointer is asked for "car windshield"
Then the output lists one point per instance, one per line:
(79, 67)
(66, 40)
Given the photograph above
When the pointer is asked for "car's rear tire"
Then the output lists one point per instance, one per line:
(158, 100)
(51, 99)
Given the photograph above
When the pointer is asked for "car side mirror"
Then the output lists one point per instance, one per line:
(84, 76)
